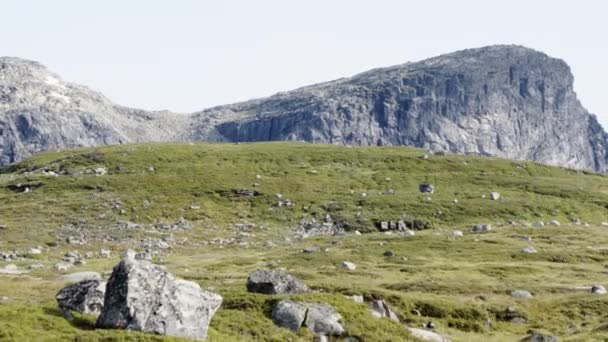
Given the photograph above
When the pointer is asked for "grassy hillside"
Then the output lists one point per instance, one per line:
(459, 283)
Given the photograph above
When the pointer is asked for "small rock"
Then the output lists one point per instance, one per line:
(539, 224)
(426, 335)
(274, 282)
(482, 228)
(409, 232)
(598, 289)
(310, 250)
(379, 309)
(494, 196)
(529, 250)
(426, 188)
(62, 266)
(521, 294)
(538, 337)
(35, 251)
(389, 254)
(349, 266)
(457, 233)
(358, 233)
(356, 298)
(555, 223)
(105, 253)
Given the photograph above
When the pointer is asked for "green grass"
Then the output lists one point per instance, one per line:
(458, 283)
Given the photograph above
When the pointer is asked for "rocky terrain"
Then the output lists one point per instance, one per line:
(505, 101)
(299, 242)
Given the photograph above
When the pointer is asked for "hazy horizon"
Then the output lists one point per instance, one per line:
(189, 55)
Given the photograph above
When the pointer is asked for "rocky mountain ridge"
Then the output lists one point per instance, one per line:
(505, 101)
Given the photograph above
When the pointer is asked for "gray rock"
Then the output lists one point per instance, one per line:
(451, 103)
(62, 266)
(425, 335)
(349, 266)
(598, 289)
(274, 282)
(144, 297)
(538, 337)
(86, 296)
(289, 314)
(482, 228)
(323, 319)
(521, 294)
(426, 188)
(320, 319)
(380, 309)
(529, 250)
(494, 196)
(11, 269)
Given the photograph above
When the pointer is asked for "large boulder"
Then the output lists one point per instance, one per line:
(86, 296)
(323, 319)
(144, 297)
(320, 319)
(289, 314)
(274, 282)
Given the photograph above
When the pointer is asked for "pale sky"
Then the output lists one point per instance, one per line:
(189, 55)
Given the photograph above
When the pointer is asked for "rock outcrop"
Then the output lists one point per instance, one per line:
(505, 101)
(143, 296)
(86, 296)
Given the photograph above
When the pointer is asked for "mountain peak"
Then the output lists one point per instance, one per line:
(503, 100)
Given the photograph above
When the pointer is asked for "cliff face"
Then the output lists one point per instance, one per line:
(39, 112)
(505, 101)
(501, 101)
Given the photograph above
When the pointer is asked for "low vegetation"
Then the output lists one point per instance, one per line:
(460, 283)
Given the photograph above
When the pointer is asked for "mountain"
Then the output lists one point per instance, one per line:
(505, 101)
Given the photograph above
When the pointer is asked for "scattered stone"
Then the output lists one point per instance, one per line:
(455, 201)
(482, 228)
(86, 296)
(430, 326)
(100, 171)
(512, 315)
(275, 282)
(539, 224)
(105, 253)
(494, 196)
(426, 188)
(35, 251)
(358, 233)
(379, 309)
(598, 289)
(555, 223)
(144, 297)
(356, 298)
(426, 335)
(604, 224)
(529, 250)
(409, 232)
(36, 266)
(62, 266)
(11, 269)
(310, 250)
(349, 266)
(389, 254)
(538, 337)
(521, 294)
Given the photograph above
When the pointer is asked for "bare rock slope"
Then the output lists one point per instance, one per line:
(506, 101)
